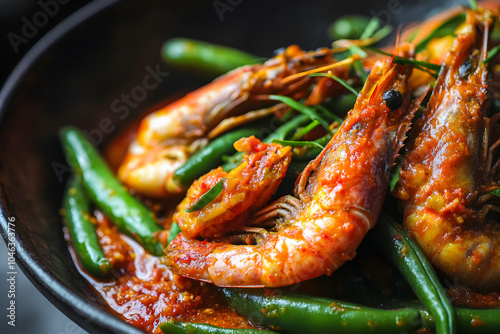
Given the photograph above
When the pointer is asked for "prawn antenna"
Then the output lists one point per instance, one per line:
(396, 44)
(484, 51)
(344, 62)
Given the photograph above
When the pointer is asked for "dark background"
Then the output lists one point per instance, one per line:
(13, 17)
(35, 314)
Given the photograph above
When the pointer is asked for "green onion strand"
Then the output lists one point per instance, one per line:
(496, 192)
(395, 177)
(310, 112)
(473, 4)
(371, 28)
(305, 130)
(339, 80)
(297, 143)
(329, 114)
(492, 54)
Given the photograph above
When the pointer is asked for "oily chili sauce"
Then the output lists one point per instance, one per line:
(145, 293)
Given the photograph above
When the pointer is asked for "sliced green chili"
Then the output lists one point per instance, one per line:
(207, 197)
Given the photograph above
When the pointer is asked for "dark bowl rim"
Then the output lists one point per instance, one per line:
(67, 301)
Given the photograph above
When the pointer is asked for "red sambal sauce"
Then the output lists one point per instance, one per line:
(145, 293)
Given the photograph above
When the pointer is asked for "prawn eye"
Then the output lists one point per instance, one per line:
(393, 99)
(465, 69)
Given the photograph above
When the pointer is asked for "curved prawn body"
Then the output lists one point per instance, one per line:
(338, 198)
(165, 137)
(246, 188)
(446, 179)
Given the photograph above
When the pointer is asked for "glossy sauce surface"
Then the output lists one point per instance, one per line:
(145, 293)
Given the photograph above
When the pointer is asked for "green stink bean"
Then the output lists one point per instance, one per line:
(392, 240)
(76, 217)
(205, 56)
(129, 214)
(178, 327)
(303, 314)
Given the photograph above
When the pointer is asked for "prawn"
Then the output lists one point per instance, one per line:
(167, 137)
(337, 199)
(446, 177)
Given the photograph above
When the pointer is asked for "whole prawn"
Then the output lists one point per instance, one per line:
(338, 198)
(446, 175)
(167, 137)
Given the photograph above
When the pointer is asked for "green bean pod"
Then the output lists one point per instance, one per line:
(469, 321)
(127, 213)
(298, 314)
(303, 314)
(76, 217)
(348, 27)
(204, 56)
(178, 327)
(210, 156)
(393, 241)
